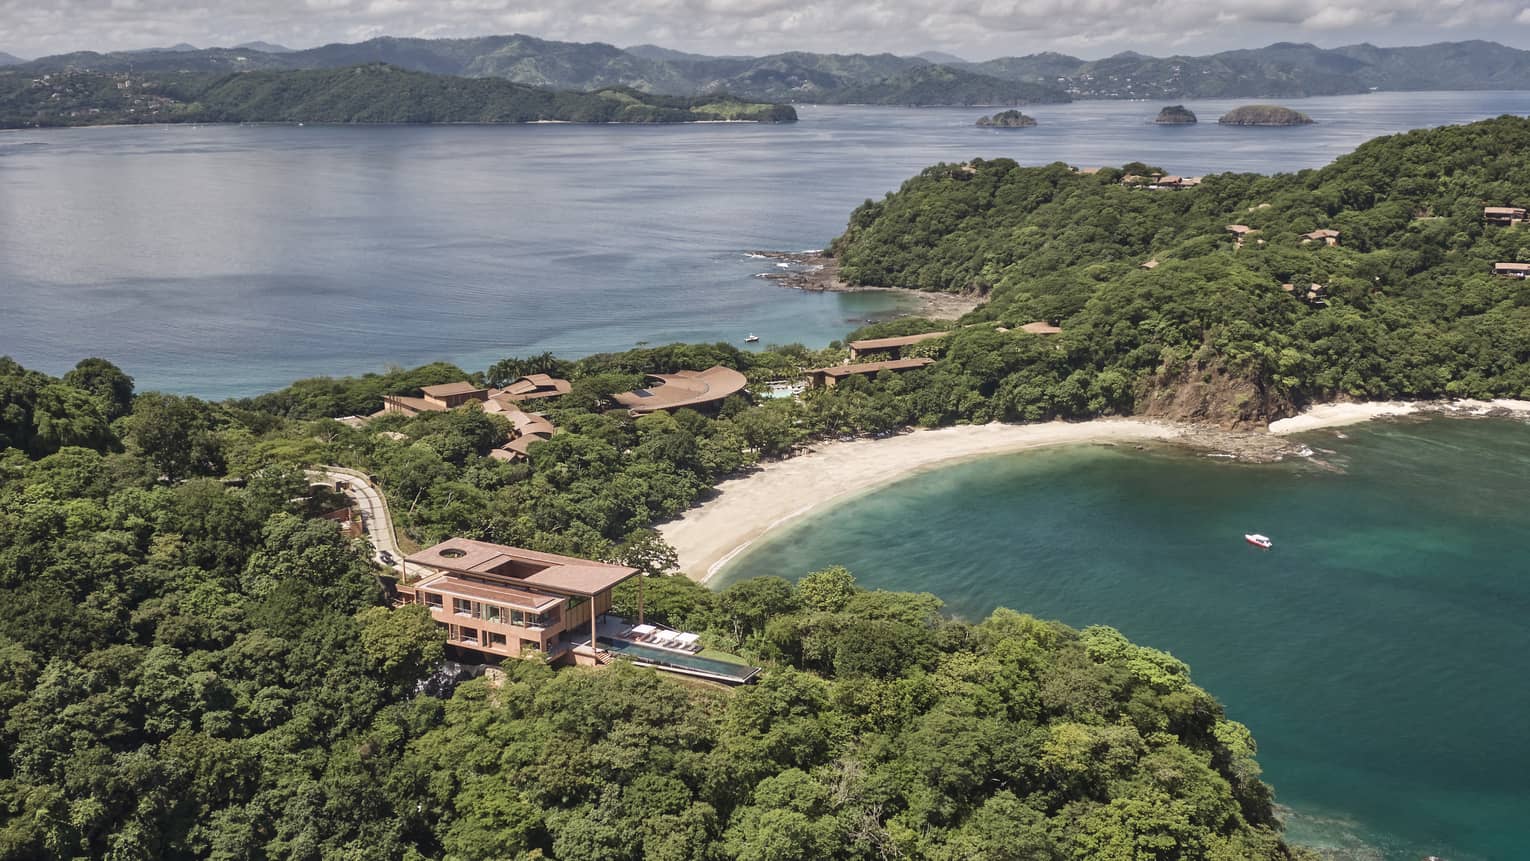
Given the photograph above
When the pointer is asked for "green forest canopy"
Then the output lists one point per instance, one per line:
(375, 93)
(1410, 305)
(204, 670)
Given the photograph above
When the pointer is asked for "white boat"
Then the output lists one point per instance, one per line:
(752, 338)
(1258, 540)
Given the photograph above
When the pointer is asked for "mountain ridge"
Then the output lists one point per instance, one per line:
(1278, 70)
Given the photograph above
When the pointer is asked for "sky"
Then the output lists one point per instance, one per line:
(972, 29)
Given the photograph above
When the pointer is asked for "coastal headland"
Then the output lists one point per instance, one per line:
(744, 509)
(816, 272)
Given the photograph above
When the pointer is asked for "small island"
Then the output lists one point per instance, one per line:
(1264, 115)
(1010, 119)
(1176, 115)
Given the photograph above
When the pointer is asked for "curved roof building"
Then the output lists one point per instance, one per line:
(683, 389)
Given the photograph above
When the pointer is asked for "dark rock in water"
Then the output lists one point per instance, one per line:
(1176, 115)
(1264, 115)
(1007, 120)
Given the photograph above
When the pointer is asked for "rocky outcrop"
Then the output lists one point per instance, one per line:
(1176, 115)
(1264, 115)
(1007, 120)
(1208, 393)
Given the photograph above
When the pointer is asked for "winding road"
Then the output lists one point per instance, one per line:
(376, 520)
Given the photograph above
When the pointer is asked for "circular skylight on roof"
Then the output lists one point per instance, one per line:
(454, 553)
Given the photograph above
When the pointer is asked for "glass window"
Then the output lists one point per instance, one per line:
(432, 600)
(468, 635)
(490, 612)
(518, 618)
(462, 606)
(496, 639)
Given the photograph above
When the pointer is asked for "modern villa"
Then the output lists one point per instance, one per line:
(890, 346)
(1505, 215)
(1325, 236)
(535, 387)
(497, 601)
(1512, 270)
(831, 376)
(694, 389)
(435, 399)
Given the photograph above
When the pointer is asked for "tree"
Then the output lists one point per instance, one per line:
(175, 434)
(104, 380)
(828, 590)
(404, 644)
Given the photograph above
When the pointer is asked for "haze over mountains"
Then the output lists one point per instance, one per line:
(1282, 70)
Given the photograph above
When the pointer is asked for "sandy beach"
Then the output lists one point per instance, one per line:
(745, 509)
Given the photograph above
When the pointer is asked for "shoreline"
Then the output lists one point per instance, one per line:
(816, 272)
(747, 508)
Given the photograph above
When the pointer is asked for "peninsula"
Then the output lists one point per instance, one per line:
(374, 93)
(1264, 115)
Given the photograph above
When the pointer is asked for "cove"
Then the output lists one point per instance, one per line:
(1378, 652)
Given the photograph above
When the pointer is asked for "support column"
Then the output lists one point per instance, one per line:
(594, 643)
(641, 578)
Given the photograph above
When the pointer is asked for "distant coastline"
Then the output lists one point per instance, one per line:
(744, 509)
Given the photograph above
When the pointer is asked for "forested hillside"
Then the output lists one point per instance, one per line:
(1282, 70)
(361, 94)
(196, 667)
(1162, 304)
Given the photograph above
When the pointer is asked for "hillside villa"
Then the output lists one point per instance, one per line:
(1325, 236)
(1512, 270)
(890, 346)
(694, 389)
(830, 377)
(534, 387)
(1506, 215)
(497, 601)
(449, 396)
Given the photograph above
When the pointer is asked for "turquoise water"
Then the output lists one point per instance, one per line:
(230, 260)
(1379, 652)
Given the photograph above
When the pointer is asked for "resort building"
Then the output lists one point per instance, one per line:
(890, 346)
(1151, 264)
(830, 377)
(1512, 270)
(1506, 215)
(1325, 236)
(526, 428)
(435, 399)
(1040, 328)
(533, 387)
(500, 602)
(1239, 232)
(694, 389)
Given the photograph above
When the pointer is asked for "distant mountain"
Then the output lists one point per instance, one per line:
(940, 57)
(10, 59)
(793, 76)
(267, 47)
(1282, 70)
(359, 94)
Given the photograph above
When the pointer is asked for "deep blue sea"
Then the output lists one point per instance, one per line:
(1380, 652)
(230, 260)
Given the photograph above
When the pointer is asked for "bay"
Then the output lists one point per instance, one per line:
(229, 260)
(1378, 652)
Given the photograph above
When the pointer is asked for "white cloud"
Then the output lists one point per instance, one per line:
(975, 28)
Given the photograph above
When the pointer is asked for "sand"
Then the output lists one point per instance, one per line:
(745, 508)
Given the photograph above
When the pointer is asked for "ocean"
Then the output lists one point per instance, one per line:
(1378, 651)
(224, 261)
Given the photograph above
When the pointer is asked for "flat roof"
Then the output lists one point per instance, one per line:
(683, 389)
(539, 385)
(1502, 210)
(416, 404)
(1516, 267)
(900, 341)
(457, 587)
(565, 574)
(874, 367)
(447, 389)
